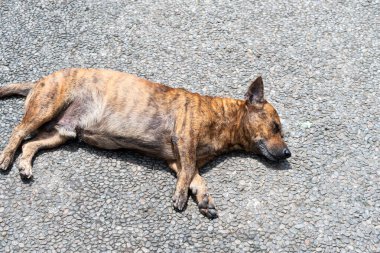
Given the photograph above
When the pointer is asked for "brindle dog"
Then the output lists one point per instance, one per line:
(113, 110)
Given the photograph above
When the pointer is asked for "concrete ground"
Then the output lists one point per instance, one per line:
(320, 64)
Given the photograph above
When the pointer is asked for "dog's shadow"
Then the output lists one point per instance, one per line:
(136, 158)
(139, 159)
(279, 165)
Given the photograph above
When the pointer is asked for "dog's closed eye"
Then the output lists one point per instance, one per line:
(276, 128)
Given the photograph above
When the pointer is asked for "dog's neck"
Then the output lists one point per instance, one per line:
(229, 116)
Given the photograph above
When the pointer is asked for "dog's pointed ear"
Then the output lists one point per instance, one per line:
(255, 93)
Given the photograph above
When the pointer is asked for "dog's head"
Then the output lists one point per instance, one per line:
(262, 125)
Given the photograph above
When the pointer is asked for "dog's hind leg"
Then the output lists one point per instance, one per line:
(18, 135)
(44, 104)
(43, 140)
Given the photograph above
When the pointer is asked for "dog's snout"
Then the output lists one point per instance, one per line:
(287, 153)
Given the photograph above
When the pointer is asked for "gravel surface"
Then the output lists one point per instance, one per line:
(320, 64)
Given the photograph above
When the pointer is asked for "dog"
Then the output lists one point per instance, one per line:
(113, 110)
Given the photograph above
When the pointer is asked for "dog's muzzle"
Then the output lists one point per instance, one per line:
(275, 155)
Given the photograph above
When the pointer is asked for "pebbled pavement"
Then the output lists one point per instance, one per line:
(320, 64)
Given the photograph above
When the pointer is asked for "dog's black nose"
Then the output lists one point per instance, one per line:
(287, 153)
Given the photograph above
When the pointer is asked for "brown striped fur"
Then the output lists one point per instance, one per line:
(113, 110)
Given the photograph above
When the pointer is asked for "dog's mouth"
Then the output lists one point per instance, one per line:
(265, 152)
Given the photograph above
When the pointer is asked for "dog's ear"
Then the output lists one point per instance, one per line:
(255, 93)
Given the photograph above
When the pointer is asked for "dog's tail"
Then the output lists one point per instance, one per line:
(21, 89)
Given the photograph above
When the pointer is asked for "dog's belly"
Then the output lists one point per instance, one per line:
(160, 147)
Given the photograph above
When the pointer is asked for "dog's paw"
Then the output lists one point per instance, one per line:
(207, 207)
(25, 170)
(4, 162)
(180, 200)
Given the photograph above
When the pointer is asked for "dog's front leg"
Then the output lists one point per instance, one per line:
(199, 190)
(187, 161)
